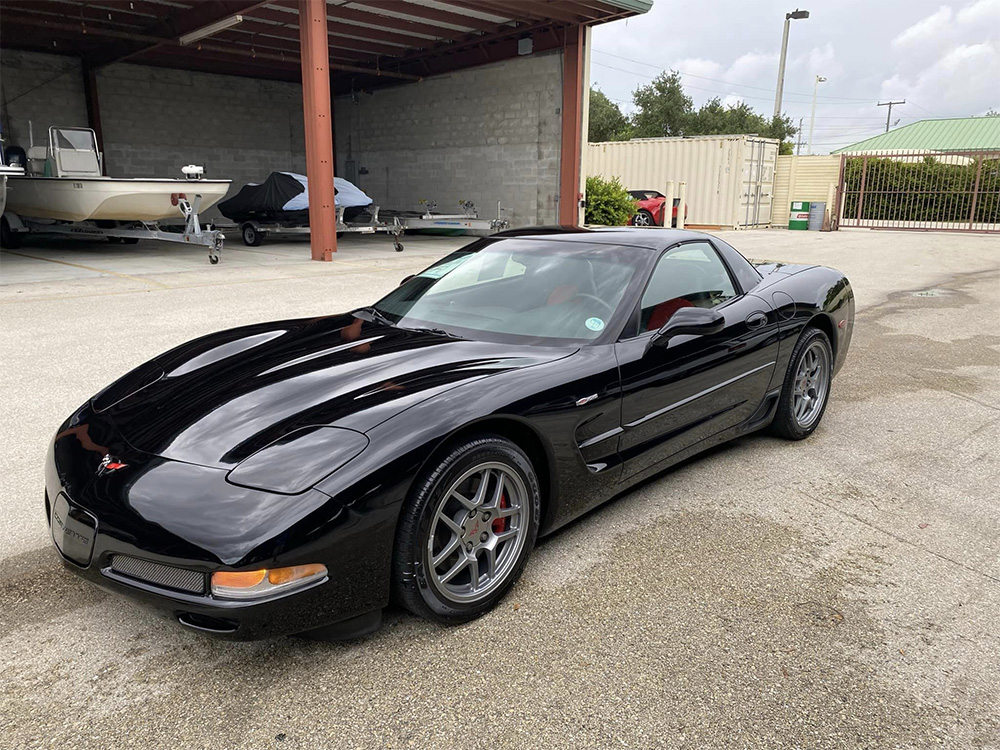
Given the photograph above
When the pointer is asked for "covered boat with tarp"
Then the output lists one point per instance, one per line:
(284, 197)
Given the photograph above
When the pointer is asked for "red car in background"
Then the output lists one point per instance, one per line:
(650, 209)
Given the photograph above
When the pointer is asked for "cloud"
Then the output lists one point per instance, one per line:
(981, 13)
(926, 29)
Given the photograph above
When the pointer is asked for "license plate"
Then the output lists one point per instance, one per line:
(73, 531)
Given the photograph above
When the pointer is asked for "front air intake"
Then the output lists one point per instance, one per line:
(166, 576)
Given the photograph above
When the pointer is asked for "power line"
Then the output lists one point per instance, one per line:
(731, 83)
(693, 88)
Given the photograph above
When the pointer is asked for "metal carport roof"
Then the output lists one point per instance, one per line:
(955, 134)
(376, 41)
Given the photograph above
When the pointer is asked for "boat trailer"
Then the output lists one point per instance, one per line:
(254, 232)
(127, 232)
(393, 223)
(467, 221)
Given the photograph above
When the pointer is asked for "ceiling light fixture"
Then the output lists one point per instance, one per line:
(212, 28)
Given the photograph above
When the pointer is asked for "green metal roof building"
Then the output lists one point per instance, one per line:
(955, 134)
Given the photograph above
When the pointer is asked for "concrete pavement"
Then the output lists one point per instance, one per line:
(841, 592)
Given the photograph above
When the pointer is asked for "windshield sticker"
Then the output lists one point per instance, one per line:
(436, 272)
(595, 324)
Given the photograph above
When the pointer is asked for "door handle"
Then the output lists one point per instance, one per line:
(756, 320)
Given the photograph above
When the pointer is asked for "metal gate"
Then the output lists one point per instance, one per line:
(953, 192)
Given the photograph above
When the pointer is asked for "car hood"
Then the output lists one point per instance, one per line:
(217, 400)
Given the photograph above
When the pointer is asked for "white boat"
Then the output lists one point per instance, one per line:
(5, 172)
(65, 182)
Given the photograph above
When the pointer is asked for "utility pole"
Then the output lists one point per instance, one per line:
(812, 117)
(889, 116)
(798, 139)
(796, 14)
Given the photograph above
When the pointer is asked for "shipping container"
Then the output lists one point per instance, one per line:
(730, 178)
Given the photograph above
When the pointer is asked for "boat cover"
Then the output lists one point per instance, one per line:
(284, 196)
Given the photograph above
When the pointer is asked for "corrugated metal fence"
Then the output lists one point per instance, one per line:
(803, 178)
(954, 191)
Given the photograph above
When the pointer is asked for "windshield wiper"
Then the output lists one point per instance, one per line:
(437, 331)
(378, 316)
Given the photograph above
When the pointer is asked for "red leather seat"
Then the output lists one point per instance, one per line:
(562, 293)
(664, 311)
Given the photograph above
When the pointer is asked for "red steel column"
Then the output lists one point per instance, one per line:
(572, 127)
(315, 54)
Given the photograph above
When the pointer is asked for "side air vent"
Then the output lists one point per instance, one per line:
(159, 575)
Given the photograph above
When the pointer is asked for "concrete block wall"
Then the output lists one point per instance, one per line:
(44, 89)
(482, 134)
(157, 120)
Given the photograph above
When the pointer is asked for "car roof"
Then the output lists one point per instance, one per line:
(639, 237)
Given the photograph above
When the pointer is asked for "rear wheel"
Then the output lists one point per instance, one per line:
(466, 533)
(643, 218)
(806, 389)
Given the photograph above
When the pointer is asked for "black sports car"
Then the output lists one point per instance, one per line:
(296, 476)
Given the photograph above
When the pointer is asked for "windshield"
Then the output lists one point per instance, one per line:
(523, 290)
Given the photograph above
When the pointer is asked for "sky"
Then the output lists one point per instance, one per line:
(943, 59)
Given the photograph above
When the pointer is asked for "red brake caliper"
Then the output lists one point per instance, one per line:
(500, 524)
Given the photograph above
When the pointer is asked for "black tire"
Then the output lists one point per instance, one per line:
(8, 238)
(130, 240)
(252, 237)
(643, 218)
(419, 592)
(786, 423)
(114, 240)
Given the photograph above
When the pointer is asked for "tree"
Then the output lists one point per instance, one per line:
(662, 107)
(993, 113)
(607, 123)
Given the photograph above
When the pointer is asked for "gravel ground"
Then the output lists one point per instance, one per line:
(841, 592)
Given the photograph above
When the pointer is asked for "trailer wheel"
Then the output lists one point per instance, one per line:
(252, 237)
(398, 246)
(8, 238)
(213, 258)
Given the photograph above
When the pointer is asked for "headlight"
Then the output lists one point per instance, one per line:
(257, 584)
(299, 460)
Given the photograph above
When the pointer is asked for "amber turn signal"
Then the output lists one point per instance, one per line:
(295, 573)
(238, 579)
(257, 584)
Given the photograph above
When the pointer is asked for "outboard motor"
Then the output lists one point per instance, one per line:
(14, 156)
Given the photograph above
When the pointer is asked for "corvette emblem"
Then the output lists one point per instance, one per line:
(109, 464)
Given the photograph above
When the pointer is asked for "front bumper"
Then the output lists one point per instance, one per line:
(189, 519)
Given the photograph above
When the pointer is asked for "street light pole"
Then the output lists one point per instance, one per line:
(812, 117)
(796, 14)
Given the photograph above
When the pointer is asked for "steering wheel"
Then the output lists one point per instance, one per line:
(598, 300)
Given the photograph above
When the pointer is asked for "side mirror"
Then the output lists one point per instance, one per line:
(690, 321)
(407, 279)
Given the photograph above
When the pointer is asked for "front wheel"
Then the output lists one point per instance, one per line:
(806, 389)
(467, 530)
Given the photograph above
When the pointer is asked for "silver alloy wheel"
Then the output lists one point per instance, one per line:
(642, 219)
(812, 383)
(477, 532)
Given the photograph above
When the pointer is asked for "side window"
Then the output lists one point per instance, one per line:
(692, 275)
